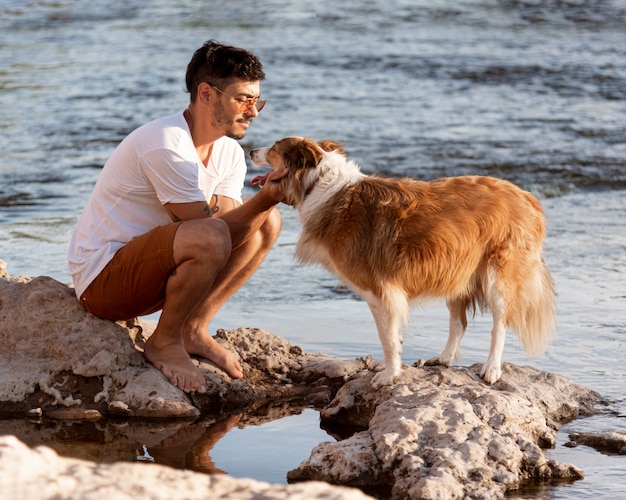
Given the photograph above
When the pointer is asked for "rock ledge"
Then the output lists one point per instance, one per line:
(438, 433)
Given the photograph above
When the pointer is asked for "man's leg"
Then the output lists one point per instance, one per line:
(243, 262)
(201, 250)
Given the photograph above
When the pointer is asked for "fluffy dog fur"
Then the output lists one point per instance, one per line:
(475, 241)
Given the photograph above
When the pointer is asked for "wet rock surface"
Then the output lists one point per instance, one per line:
(609, 442)
(438, 433)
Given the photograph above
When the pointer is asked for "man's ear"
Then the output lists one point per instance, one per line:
(204, 92)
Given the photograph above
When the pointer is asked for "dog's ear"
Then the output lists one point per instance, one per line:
(303, 154)
(330, 145)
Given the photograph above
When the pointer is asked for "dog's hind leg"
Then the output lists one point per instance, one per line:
(458, 325)
(492, 368)
(390, 316)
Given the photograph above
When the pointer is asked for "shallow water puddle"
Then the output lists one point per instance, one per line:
(263, 446)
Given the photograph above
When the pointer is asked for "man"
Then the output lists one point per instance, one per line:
(165, 227)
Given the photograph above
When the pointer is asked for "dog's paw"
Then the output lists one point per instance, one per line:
(437, 361)
(491, 372)
(384, 378)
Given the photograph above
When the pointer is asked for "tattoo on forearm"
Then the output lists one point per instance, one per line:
(209, 210)
(214, 207)
(173, 216)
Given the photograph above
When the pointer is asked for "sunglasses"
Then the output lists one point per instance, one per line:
(245, 104)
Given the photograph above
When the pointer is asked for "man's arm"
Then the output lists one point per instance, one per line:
(200, 209)
(243, 220)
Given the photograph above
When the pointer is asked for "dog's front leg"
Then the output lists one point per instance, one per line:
(389, 325)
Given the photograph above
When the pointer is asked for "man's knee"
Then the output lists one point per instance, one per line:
(218, 239)
(272, 225)
(203, 238)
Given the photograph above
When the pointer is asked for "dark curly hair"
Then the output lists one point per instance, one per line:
(219, 64)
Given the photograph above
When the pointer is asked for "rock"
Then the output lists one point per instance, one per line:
(55, 354)
(444, 433)
(438, 433)
(41, 473)
(611, 442)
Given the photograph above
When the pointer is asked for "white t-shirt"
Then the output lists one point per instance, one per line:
(155, 164)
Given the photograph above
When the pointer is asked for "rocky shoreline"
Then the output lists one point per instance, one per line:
(438, 433)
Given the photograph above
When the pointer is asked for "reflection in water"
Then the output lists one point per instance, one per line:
(292, 431)
(146, 457)
(190, 447)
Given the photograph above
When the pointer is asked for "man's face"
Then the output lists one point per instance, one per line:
(235, 106)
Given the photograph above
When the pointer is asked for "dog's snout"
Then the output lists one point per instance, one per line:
(259, 156)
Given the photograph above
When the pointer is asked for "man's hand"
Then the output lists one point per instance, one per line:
(271, 184)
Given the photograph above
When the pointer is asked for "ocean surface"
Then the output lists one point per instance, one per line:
(531, 91)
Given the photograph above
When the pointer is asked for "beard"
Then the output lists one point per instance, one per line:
(235, 135)
(231, 127)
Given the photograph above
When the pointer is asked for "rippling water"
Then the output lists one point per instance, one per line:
(532, 91)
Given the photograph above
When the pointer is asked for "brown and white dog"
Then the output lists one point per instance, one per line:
(475, 241)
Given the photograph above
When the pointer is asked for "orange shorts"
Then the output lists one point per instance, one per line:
(133, 283)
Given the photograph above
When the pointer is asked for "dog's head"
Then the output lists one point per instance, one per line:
(301, 156)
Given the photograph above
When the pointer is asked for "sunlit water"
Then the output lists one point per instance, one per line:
(531, 91)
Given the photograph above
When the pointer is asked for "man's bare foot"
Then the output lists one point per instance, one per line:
(200, 343)
(175, 364)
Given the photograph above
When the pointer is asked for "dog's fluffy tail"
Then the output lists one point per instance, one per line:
(531, 312)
